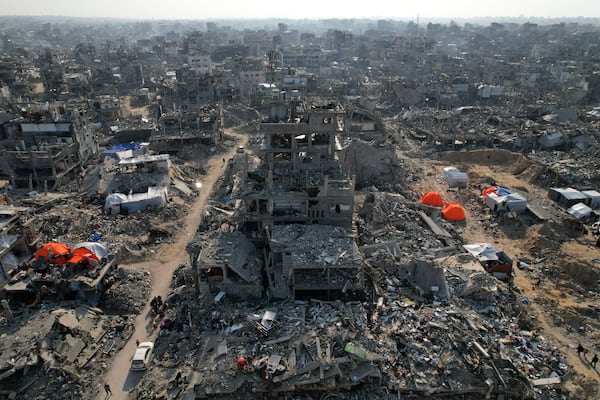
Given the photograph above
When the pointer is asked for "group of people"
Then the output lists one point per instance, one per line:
(157, 304)
(581, 349)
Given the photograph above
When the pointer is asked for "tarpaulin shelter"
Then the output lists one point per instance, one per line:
(493, 260)
(593, 198)
(83, 255)
(155, 197)
(97, 248)
(509, 202)
(579, 210)
(453, 212)
(432, 199)
(567, 197)
(454, 177)
(88, 252)
(54, 252)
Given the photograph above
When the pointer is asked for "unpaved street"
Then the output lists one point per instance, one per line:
(171, 255)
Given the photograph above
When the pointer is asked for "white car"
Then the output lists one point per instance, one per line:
(143, 356)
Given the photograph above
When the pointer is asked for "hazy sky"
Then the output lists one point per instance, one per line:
(314, 9)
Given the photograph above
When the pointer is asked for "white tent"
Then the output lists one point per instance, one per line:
(116, 203)
(579, 210)
(509, 202)
(112, 204)
(97, 248)
(454, 177)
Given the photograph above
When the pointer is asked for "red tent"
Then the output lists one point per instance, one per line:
(453, 212)
(54, 252)
(82, 254)
(432, 199)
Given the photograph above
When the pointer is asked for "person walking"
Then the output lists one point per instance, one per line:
(580, 349)
(594, 361)
(107, 389)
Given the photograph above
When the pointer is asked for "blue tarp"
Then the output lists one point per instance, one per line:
(118, 147)
(502, 191)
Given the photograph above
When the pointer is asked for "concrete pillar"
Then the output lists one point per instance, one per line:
(270, 181)
(7, 309)
(325, 188)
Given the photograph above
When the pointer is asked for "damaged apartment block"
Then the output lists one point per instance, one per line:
(299, 198)
(46, 148)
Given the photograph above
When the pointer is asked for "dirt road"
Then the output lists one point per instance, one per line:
(171, 255)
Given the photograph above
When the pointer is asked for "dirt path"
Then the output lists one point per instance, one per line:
(171, 255)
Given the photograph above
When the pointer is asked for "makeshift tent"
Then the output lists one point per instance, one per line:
(99, 249)
(454, 177)
(54, 252)
(579, 210)
(432, 199)
(510, 202)
(567, 197)
(90, 252)
(493, 260)
(593, 198)
(453, 212)
(116, 203)
(112, 204)
(83, 255)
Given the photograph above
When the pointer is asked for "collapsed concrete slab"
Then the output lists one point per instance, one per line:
(227, 261)
(313, 260)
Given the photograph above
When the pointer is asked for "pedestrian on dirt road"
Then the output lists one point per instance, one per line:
(137, 343)
(107, 389)
(580, 349)
(594, 361)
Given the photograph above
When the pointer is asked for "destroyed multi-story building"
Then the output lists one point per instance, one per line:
(301, 183)
(47, 149)
(186, 127)
(227, 261)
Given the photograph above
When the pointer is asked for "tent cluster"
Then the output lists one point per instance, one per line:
(450, 211)
(86, 253)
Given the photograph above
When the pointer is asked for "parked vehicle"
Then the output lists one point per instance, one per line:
(142, 356)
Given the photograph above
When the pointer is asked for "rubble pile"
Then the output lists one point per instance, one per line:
(398, 343)
(73, 221)
(573, 166)
(126, 291)
(387, 218)
(49, 352)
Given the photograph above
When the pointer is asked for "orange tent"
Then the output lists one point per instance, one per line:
(453, 212)
(84, 254)
(54, 252)
(432, 199)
